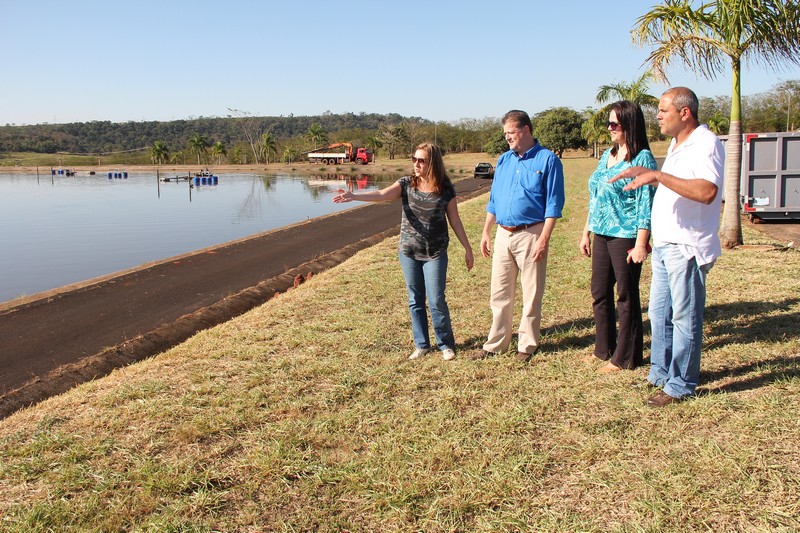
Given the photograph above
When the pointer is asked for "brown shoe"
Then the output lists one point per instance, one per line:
(661, 398)
(523, 357)
(477, 355)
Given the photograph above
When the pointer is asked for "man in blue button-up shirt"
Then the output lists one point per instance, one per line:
(526, 199)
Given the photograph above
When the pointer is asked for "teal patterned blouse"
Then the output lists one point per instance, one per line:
(612, 211)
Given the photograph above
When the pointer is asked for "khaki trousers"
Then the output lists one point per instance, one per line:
(512, 256)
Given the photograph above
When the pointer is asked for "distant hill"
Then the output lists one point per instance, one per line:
(104, 136)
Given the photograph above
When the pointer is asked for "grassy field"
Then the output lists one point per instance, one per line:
(459, 163)
(305, 415)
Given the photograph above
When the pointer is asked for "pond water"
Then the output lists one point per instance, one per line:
(61, 229)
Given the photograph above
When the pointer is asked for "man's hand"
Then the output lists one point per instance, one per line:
(539, 251)
(641, 176)
(486, 245)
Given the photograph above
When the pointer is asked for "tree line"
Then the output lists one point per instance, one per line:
(241, 138)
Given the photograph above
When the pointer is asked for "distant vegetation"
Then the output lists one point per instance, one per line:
(241, 138)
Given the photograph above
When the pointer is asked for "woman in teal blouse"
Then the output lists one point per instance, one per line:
(620, 222)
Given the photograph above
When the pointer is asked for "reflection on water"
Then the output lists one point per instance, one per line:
(62, 229)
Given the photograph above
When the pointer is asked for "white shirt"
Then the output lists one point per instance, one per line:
(691, 224)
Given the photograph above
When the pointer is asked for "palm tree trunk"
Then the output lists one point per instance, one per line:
(731, 227)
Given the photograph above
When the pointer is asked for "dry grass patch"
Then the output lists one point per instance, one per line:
(305, 414)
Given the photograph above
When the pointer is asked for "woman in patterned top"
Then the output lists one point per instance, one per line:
(429, 202)
(620, 222)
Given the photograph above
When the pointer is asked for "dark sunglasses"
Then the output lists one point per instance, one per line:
(614, 126)
(420, 160)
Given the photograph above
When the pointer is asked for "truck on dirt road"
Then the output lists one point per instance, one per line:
(339, 153)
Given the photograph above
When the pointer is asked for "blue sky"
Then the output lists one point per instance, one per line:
(141, 60)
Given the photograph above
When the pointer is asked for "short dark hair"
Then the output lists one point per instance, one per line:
(631, 120)
(684, 97)
(521, 118)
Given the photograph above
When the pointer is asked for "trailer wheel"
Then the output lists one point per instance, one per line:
(359, 161)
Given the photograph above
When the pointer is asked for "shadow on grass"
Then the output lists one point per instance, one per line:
(571, 335)
(765, 322)
(765, 372)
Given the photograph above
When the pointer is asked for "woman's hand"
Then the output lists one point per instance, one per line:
(469, 258)
(343, 196)
(586, 245)
(637, 254)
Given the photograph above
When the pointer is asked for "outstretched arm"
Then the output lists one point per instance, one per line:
(696, 189)
(387, 194)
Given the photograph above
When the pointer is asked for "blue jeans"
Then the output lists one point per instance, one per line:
(428, 278)
(677, 299)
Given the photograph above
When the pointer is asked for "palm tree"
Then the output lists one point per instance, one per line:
(595, 130)
(268, 146)
(290, 154)
(316, 134)
(636, 91)
(718, 123)
(159, 152)
(373, 143)
(706, 39)
(219, 150)
(198, 145)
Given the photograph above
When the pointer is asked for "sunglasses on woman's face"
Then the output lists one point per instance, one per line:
(420, 160)
(613, 126)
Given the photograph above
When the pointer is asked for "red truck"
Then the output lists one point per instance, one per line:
(346, 154)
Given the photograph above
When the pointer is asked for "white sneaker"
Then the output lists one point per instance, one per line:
(419, 352)
(448, 354)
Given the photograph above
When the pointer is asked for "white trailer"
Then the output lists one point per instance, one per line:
(328, 158)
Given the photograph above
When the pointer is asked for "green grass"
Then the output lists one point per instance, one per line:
(32, 159)
(305, 414)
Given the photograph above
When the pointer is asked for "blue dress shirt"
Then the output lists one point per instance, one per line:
(528, 188)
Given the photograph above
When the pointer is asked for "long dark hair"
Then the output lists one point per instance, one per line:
(434, 169)
(631, 120)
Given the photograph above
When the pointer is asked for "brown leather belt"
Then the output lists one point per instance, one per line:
(514, 229)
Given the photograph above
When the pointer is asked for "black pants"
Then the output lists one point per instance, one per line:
(609, 267)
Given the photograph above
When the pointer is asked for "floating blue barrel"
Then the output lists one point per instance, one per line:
(52, 172)
(196, 180)
(214, 179)
(109, 175)
(125, 175)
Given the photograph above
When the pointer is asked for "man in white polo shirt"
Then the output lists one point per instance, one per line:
(685, 222)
